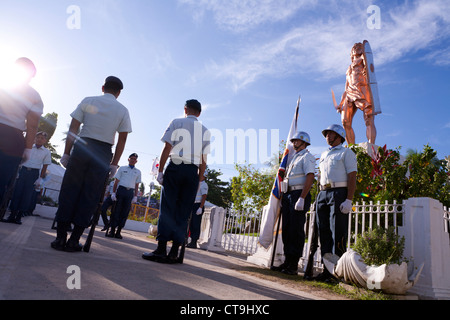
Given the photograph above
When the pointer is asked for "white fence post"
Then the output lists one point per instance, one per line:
(428, 243)
(213, 237)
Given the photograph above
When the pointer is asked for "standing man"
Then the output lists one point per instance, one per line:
(89, 163)
(197, 212)
(338, 168)
(125, 190)
(186, 144)
(31, 175)
(296, 202)
(20, 109)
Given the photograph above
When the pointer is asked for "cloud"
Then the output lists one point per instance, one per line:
(243, 15)
(319, 45)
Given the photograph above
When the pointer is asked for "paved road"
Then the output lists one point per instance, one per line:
(114, 270)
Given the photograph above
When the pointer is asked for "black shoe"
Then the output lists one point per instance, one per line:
(73, 246)
(172, 257)
(111, 233)
(156, 256)
(105, 227)
(279, 268)
(325, 276)
(192, 245)
(118, 235)
(58, 244)
(292, 271)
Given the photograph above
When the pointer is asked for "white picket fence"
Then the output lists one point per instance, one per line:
(447, 220)
(241, 230)
(424, 222)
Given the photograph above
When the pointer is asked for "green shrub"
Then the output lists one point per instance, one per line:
(380, 246)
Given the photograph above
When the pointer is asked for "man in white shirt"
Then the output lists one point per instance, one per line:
(197, 212)
(125, 190)
(20, 110)
(296, 202)
(338, 168)
(30, 177)
(91, 161)
(186, 143)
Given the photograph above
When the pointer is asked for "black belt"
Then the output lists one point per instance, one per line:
(29, 169)
(128, 189)
(98, 142)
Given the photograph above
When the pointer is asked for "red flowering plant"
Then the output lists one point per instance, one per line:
(384, 176)
(380, 177)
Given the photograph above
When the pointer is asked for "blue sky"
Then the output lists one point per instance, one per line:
(245, 61)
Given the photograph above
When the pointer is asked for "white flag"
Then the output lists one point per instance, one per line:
(155, 167)
(266, 234)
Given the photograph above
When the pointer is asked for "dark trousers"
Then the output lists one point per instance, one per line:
(24, 190)
(122, 209)
(293, 222)
(196, 222)
(84, 182)
(106, 204)
(12, 146)
(180, 186)
(332, 223)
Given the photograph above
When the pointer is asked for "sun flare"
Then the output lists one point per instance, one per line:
(11, 74)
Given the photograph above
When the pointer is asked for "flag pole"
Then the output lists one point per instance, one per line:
(275, 242)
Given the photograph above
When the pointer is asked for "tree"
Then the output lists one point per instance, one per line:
(383, 177)
(250, 190)
(48, 124)
(219, 192)
(142, 188)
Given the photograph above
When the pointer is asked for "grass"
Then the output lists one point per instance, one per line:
(333, 291)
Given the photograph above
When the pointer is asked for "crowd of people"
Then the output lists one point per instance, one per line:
(92, 170)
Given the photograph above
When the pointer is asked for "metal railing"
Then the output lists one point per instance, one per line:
(143, 213)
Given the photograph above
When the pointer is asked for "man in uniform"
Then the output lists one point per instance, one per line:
(338, 168)
(296, 202)
(20, 109)
(197, 212)
(31, 175)
(125, 189)
(187, 144)
(89, 163)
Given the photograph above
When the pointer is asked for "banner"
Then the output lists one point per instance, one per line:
(266, 234)
(155, 167)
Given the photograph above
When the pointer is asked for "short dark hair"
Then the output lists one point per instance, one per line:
(42, 133)
(194, 104)
(113, 84)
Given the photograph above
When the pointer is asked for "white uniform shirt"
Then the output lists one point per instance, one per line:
(202, 190)
(15, 105)
(38, 157)
(102, 117)
(189, 139)
(336, 163)
(301, 164)
(128, 177)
